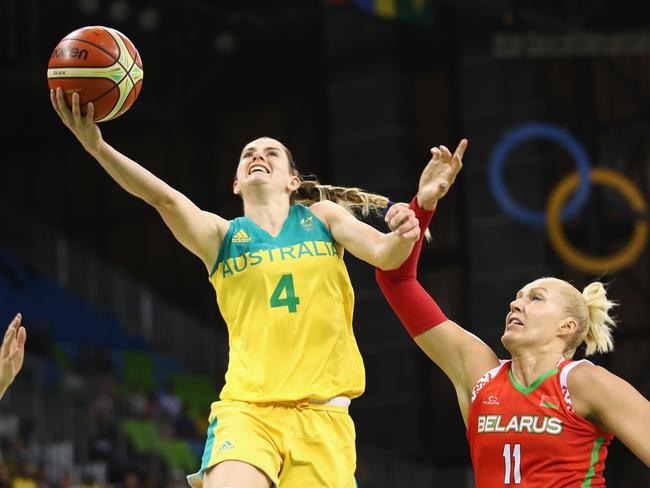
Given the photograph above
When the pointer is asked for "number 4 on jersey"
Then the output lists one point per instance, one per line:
(290, 300)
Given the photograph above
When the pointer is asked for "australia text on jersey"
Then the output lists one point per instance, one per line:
(533, 424)
(232, 266)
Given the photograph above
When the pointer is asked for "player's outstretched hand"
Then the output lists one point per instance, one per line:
(403, 222)
(82, 126)
(439, 174)
(12, 353)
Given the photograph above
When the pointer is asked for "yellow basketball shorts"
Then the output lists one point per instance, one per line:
(300, 445)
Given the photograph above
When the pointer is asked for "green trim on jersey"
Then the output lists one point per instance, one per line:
(594, 459)
(245, 236)
(527, 390)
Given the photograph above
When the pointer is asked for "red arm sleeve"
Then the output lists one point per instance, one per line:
(412, 304)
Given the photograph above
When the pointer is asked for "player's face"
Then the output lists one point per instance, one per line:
(537, 316)
(264, 163)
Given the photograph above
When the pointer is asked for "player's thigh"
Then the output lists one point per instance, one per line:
(235, 474)
(322, 453)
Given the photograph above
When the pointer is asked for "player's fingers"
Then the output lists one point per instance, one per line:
(17, 356)
(55, 104)
(411, 224)
(76, 110)
(402, 215)
(90, 112)
(445, 153)
(53, 101)
(7, 341)
(404, 221)
(392, 211)
(413, 234)
(15, 322)
(63, 110)
(21, 337)
(396, 222)
(460, 149)
(411, 227)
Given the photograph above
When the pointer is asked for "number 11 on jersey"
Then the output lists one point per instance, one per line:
(512, 458)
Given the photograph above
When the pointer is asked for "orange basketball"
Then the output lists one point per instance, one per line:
(102, 66)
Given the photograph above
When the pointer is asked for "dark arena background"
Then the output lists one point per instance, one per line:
(126, 347)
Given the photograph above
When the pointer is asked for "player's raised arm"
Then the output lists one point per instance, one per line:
(199, 231)
(462, 356)
(385, 251)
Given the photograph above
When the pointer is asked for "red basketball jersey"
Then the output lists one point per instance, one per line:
(531, 437)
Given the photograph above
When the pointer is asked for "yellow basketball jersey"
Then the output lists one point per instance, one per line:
(288, 304)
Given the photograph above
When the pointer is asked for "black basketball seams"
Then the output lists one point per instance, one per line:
(117, 60)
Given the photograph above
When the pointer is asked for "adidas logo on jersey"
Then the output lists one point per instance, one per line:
(226, 445)
(241, 237)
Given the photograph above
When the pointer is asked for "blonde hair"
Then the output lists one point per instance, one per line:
(355, 200)
(591, 310)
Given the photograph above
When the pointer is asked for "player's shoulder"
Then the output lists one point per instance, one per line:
(587, 379)
(326, 210)
(325, 206)
(217, 223)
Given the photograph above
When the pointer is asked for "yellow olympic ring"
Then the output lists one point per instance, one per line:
(585, 262)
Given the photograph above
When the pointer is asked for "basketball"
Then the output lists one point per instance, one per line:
(100, 64)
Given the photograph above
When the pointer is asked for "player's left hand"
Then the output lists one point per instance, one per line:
(439, 174)
(12, 352)
(403, 222)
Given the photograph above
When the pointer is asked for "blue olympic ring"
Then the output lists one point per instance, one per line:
(544, 131)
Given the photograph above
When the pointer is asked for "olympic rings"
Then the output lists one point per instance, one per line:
(582, 179)
(592, 264)
(543, 131)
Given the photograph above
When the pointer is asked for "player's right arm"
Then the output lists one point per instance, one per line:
(462, 356)
(199, 231)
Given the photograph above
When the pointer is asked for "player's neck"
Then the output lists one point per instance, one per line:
(269, 214)
(528, 366)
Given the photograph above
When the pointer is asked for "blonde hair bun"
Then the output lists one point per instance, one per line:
(599, 332)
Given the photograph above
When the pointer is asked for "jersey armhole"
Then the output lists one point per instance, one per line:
(322, 225)
(221, 248)
(487, 377)
(564, 386)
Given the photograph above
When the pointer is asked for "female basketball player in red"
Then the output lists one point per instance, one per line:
(285, 295)
(540, 419)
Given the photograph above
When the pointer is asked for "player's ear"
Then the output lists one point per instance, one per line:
(294, 183)
(568, 326)
(235, 187)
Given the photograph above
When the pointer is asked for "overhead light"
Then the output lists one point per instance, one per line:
(88, 6)
(149, 19)
(119, 11)
(224, 42)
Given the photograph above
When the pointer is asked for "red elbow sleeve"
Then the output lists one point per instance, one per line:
(416, 309)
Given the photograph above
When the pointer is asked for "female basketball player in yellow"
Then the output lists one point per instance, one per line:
(285, 295)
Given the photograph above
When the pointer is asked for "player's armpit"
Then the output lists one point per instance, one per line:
(198, 231)
(462, 356)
